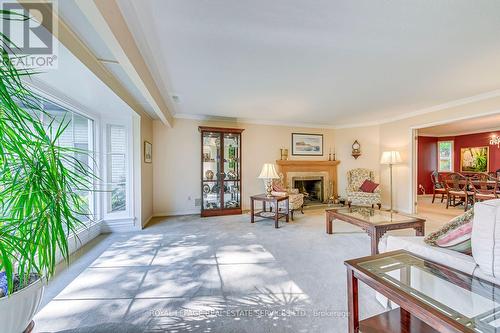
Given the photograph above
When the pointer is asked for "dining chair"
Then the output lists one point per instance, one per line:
(482, 177)
(438, 186)
(485, 189)
(456, 185)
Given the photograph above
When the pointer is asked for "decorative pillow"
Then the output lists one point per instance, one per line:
(278, 188)
(454, 235)
(368, 186)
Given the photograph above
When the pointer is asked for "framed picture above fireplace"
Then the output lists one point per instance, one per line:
(304, 144)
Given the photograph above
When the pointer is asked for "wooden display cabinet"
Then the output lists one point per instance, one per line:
(220, 171)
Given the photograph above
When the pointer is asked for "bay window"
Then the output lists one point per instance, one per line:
(78, 134)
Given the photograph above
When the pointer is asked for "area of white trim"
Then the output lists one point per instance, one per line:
(114, 32)
(494, 129)
(251, 121)
(82, 237)
(45, 91)
(126, 224)
(438, 107)
(447, 121)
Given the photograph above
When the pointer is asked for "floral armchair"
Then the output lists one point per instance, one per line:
(295, 199)
(355, 196)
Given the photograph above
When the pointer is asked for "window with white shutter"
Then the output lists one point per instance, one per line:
(78, 133)
(116, 168)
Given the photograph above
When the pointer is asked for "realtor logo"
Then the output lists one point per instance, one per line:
(30, 27)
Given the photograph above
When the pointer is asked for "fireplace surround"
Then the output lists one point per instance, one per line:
(326, 171)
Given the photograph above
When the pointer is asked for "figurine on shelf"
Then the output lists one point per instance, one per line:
(284, 154)
(231, 156)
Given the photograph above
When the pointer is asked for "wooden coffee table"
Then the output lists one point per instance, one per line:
(264, 213)
(374, 221)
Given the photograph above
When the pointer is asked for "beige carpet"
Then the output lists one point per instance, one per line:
(435, 214)
(192, 274)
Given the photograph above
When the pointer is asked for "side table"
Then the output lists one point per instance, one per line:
(274, 200)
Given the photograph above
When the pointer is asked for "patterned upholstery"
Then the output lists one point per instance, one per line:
(295, 199)
(355, 179)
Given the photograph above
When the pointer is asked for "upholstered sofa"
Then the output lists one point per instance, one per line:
(356, 178)
(484, 262)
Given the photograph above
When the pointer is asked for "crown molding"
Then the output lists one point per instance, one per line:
(485, 130)
(251, 121)
(435, 108)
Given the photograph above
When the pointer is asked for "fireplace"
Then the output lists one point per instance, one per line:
(319, 177)
(312, 188)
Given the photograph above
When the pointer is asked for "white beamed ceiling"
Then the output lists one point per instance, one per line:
(324, 62)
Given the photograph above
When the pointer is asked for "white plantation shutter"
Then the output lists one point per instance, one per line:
(81, 129)
(117, 168)
(78, 133)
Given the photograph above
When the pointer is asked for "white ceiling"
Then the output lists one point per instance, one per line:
(324, 62)
(73, 84)
(72, 15)
(468, 126)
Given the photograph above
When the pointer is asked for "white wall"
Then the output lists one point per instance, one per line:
(176, 170)
(368, 138)
(146, 172)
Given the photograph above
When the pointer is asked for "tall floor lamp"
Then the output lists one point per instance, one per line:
(390, 158)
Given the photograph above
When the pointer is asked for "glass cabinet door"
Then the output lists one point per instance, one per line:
(220, 171)
(211, 170)
(232, 171)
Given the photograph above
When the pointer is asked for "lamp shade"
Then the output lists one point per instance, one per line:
(390, 157)
(268, 172)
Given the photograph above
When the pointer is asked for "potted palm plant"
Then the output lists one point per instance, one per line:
(40, 201)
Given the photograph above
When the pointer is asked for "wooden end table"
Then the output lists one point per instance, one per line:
(432, 298)
(374, 221)
(272, 199)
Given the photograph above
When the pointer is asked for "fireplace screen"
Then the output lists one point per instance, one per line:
(311, 187)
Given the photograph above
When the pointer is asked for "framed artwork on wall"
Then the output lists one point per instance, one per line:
(474, 159)
(148, 152)
(304, 144)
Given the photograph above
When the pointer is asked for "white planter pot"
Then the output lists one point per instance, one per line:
(18, 309)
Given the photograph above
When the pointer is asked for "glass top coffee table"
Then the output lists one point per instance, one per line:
(375, 222)
(432, 297)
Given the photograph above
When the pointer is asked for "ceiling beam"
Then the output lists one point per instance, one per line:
(74, 44)
(107, 19)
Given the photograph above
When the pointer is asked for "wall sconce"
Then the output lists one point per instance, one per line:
(356, 149)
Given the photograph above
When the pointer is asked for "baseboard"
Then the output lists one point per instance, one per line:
(177, 213)
(147, 221)
(82, 237)
(120, 225)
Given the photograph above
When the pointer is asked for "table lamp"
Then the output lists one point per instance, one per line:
(268, 173)
(390, 158)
